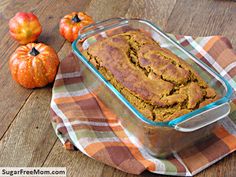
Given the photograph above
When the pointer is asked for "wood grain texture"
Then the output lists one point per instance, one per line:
(77, 164)
(111, 172)
(27, 136)
(11, 102)
(101, 10)
(14, 96)
(204, 18)
(3, 4)
(30, 137)
(157, 11)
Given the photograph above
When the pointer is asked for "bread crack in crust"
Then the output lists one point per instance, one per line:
(155, 81)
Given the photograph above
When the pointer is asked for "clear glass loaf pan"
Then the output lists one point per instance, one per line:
(158, 138)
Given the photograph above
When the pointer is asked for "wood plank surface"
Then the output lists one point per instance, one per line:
(14, 96)
(49, 16)
(73, 160)
(30, 137)
(157, 11)
(101, 10)
(27, 138)
(204, 18)
(32, 112)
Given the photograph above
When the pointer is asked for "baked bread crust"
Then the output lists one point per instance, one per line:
(154, 80)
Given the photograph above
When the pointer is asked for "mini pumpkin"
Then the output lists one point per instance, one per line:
(25, 27)
(71, 24)
(34, 65)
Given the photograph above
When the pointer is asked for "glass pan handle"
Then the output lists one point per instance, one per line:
(205, 118)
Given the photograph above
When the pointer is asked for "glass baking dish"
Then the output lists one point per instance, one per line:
(158, 138)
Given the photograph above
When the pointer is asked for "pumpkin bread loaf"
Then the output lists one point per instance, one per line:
(155, 81)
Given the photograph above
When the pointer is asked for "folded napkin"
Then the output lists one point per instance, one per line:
(83, 122)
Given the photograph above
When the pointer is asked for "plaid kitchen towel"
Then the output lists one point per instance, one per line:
(83, 122)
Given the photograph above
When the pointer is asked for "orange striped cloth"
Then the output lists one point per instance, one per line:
(83, 123)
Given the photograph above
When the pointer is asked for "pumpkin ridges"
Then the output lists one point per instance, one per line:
(39, 73)
(47, 71)
(69, 29)
(31, 72)
(75, 32)
(67, 33)
(40, 47)
(14, 70)
(34, 71)
(25, 27)
(22, 75)
(44, 71)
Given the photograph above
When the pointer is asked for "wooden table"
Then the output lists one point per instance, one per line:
(26, 134)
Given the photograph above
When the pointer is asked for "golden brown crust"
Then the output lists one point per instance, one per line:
(158, 83)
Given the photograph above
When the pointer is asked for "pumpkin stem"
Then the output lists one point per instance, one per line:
(34, 51)
(76, 19)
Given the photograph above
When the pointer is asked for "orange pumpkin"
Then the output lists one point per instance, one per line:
(25, 27)
(34, 65)
(71, 24)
